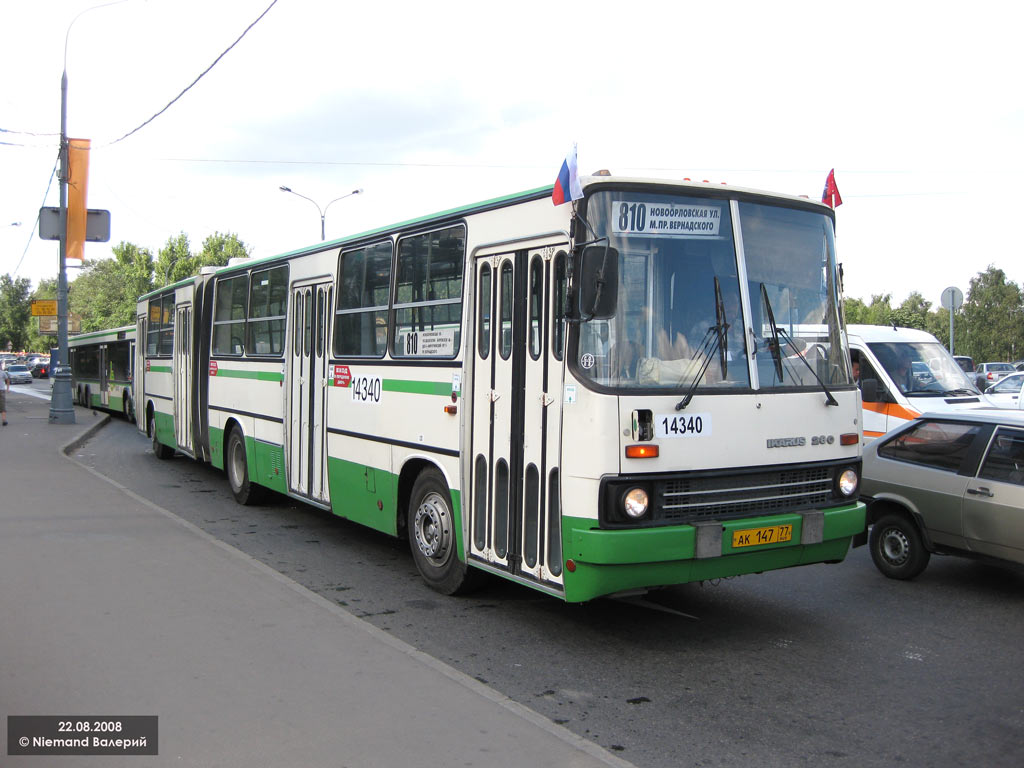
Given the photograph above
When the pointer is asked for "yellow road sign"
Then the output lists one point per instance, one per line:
(44, 307)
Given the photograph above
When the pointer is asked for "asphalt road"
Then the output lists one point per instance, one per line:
(822, 665)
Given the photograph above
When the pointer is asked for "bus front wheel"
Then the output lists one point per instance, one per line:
(431, 527)
(242, 488)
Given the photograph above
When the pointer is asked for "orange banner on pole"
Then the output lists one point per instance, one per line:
(78, 210)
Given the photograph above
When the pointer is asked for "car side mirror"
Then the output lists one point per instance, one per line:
(870, 390)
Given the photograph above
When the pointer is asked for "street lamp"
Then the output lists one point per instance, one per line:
(322, 211)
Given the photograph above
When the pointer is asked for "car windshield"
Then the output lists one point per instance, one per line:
(1000, 367)
(18, 369)
(679, 318)
(923, 369)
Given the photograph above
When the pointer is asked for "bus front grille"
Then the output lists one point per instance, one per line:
(724, 497)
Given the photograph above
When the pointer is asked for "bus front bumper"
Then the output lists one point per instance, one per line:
(609, 561)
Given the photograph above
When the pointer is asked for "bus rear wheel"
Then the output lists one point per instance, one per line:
(160, 450)
(432, 539)
(236, 463)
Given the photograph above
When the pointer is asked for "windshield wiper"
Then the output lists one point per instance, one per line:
(828, 395)
(774, 346)
(722, 328)
(709, 345)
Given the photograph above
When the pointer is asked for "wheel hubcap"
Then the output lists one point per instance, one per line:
(895, 546)
(432, 527)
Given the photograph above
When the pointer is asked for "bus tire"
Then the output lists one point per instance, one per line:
(160, 450)
(432, 539)
(236, 464)
(897, 547)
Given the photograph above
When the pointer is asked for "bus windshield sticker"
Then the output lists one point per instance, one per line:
(437, 343)
(665, 219)
(679, 425)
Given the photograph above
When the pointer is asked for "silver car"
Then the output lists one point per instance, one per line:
(19, 374)
(946, 483)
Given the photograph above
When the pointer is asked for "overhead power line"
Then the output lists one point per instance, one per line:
(32, 231)
(201, 75)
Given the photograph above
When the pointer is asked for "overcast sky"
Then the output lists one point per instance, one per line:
(427, 106)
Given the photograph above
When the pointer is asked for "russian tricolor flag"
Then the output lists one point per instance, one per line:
(567, 185)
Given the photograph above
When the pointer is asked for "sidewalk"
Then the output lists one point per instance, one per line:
(110, 605)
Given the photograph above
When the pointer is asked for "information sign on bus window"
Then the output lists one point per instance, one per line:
(436, 343)
(665, 219)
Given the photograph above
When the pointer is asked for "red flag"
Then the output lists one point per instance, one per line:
(830, 195)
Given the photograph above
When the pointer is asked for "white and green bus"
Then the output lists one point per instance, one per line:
(101, 369)
(601, 397)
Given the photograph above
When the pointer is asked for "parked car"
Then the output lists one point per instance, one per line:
(1005, 393)
(946, 483)
(988, 374)
(966, 363)
(19, 373)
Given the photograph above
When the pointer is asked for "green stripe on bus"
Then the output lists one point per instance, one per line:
(234, 373)
(159, 369)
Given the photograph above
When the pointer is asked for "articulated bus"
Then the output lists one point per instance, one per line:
(101, 369)
(597, 398)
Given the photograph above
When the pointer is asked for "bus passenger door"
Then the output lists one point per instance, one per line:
(516, 400)
(138, 372)
(182, 361)
(104, 363)
(307, 391)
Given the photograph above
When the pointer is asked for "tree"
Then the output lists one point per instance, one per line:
(15, 312)
(107, 291)
(993, 315)
(176, 262)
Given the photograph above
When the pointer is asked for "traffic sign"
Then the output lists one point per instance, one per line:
(952, 298)
(44, 307)
(97, 225)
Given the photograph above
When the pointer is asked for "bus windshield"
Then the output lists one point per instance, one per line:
(923, 369)
(679, 320)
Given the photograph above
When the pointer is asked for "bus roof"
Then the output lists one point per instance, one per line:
(518, 197)
(887, 333)
(109, 333)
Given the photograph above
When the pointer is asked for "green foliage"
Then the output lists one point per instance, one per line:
(15, 312)
(993, 315)
(106, 292)
(176, 261)
(988, 327)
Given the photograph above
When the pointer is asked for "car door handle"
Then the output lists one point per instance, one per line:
(980, 492)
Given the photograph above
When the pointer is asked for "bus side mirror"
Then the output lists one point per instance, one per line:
(599, 282)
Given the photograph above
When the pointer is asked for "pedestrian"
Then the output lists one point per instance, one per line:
(5, 385)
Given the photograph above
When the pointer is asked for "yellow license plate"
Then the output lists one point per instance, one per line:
(752, 537)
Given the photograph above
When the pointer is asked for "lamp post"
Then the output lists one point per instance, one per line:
(322, 211)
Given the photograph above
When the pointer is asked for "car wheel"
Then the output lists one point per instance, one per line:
(897, 547)
(242, 488)
(160, 450)
(432, 536)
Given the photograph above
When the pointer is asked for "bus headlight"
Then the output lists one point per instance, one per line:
(635, 503)
(847, 483)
